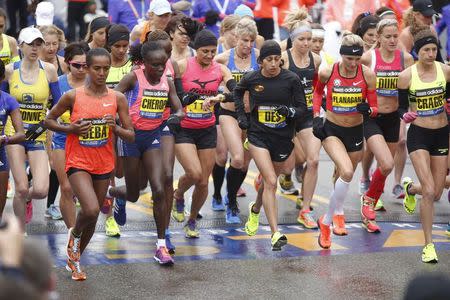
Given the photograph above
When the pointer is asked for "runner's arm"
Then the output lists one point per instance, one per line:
(125, 131)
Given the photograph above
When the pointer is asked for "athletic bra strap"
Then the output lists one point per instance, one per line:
(374, 59)
(290, 59)
(311, 61)
(231, 64)
(254, 62)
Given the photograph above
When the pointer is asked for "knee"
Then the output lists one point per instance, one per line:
(221, 157)
(313, 163)
(401, 143)
(21, 191)
(168, 179)
(386, 166)
(91, 213)
(237, 162)
(428, 194)
(346, 174)
(270, 183)
(40, 192)
(195, 176)
(66, 189)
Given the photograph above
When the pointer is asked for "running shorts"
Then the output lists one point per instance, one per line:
(59, 141)
(93, 176)
(351, 137)
(204, 138)
(33, 145)
(435, 141)
(4, 165)
(144, 140)
(165, 130)
(279, 148)
(387, 125)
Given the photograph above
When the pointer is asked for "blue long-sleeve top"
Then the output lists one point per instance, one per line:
(445, 23)
(120, 12)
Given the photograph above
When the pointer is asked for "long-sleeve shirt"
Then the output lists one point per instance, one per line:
(345, 11)
(121, 12)
(202, 6)
(442, 24)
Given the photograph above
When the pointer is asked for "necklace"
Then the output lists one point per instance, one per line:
(241, 57)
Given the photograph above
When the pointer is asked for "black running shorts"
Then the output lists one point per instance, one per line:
(387, 125)
(435, 141)
(351, 137)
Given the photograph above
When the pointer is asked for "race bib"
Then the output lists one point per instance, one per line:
(387, 83)
(430, 102)
(97, 135)
(309, 97)
(65, 118)
(268, 117)
(195, 110)
(32, 113)
(153, 104)
(344, 99)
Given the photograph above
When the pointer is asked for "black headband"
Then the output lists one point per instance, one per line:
(99, 23)
(115, 36)
(423, 41)
(268, 49)
(204, 38)
(354, 50)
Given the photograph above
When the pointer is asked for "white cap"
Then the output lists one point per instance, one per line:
(45, 11)
(160, 7)
(29, 34)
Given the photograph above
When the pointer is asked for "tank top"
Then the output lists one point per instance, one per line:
(59, 71)
(428, 96)
(170, 74)
(94, 151)
(204, 82)
(387, 73)
(64, 87)
(5, 52)
(32, 98)
(220, 48)
(117, 73)
(148, 102)
(7, 105)
(237, 73)
(345, 93)
(306, 77)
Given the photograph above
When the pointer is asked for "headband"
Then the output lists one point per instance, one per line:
(269, 49)
(299, 30)
(353, 50)
(318, 33)
(204, 38)
(99, 23)
(424, 41)
(387, 12)
(114, 37)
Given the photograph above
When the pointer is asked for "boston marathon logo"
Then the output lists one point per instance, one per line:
(153, 104)
(387, 83)
(430, 102)
(345, 99)
(98, 134)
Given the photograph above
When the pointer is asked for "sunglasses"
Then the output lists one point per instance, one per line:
(77, 65)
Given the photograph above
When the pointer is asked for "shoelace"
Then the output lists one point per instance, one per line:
(76, 244)
(368, 202)
(180, 206)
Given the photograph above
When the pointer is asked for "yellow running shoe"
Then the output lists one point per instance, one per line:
(111, 227)
(379, 206)
(178, 209)
(191, 230)
(429, 254)
(252, 224)
(278, 241)
(409, 202)
(287, 186)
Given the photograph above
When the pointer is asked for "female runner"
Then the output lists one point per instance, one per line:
(96, 33)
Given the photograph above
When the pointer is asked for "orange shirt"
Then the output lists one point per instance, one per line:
(263, 9)
(94, 151)
(345, 11)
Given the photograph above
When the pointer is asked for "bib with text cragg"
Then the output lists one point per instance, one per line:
(153, 104)
(195, 110)
(32, 113)
(430, 102)
(97, 135)
(268, 117)
(345, 99)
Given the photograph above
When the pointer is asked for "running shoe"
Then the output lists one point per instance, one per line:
(163, 257)
(306, 218)
(447, 232)
(73, 246)
(10, 191)
(217, 204)
(241, 193)
(339, 225)
(53, 212)
(111, 227)
(107, 203)
(363, 186)
(379, 206)
(278, 241)
(299, 202)
(324, 234)
(169, 245)
(299, 173)
(429, 254)
(29, 212)
(178, 209)
(287, 186)
(398, 192)
(120, 211)
(371, 226)
(367, 205)
(191, 230)
(252, 224)
(74, 268)
(409, 202)
(232, 216)
(257, 182)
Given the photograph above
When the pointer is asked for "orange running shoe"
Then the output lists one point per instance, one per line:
(306, 218)
(324, 235)
(74, 267)
(368, 208)
(73, 247)
(339, 225)
(257, 182)
(371, 226)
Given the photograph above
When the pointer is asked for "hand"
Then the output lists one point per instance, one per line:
(11, 242)
(409, 116)
(3, 139)
(110, 121)
(80, 127)
(243, 122)
(34, 131)
(174, 123)
(318, 128)
(189, 98)
(287, 112)
(208, 102)
(363, 108)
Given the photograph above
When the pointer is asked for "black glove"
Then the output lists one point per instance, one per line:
(189, 98)
(318, 128)
(287, 112)
(243, 122)
(174, 123)
(34, 131)
(363, 108)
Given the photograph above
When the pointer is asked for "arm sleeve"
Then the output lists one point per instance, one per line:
(372, 98)
(113, 11)
(299, 98)
(56, 94)
(4, 86)
(318, 95)
(238, 93)
(179, 87)
(403, 102)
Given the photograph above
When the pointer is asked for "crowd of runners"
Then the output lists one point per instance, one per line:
(128, 104)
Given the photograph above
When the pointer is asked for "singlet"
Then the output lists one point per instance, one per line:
(32, 98)
(387, 73)
(94, 151)
(220, 49)
(204, 82)
(64, 87)
(7, 105)
(169, 72)
(5, 52)
(306, 77)
(428, 96)
(237, 73)
(117, 73)
(59, 71)
(147, 102)
(345, 93)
